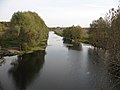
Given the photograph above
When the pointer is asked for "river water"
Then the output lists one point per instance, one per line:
(60, 67)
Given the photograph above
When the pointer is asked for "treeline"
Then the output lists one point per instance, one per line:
(105, 33)
(27, 31)
(98, 33)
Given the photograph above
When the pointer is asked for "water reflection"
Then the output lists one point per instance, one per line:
(27, 68)
(98, 77)
(0, 86)
(65, 68)
(106, 70)
(113, 65)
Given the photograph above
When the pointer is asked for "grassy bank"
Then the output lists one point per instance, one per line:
(15, 51)
(10, 52)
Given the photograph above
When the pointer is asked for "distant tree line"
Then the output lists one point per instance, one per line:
(27, 31)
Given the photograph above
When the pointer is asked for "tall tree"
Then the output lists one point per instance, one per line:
(29, 30)
(98, 33)
(75, 33)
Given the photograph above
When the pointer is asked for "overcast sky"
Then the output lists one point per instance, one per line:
(59, 12)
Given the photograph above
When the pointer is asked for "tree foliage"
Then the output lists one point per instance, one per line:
(98, 33)
(114, 33)
(105, 33)
(75, 33)
(30, 29)
(27, 30)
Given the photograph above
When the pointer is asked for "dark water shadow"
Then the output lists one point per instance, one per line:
(1, 86)
(26, 69)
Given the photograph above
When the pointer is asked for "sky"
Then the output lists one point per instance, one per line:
(59, 12)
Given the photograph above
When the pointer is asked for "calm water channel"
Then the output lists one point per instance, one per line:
(60, 67)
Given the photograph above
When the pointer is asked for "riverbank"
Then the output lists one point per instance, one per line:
(10, 52)
(16, 51)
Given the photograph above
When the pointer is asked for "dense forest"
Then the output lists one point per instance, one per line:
(25, 32)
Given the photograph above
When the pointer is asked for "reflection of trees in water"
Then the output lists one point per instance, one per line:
(98, 72)
(107, 60)
(98, 55)
(113, 64)
(0, 86)
(72, 45)
(27, 68)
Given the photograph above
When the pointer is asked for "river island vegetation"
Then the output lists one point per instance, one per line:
(26, 32)
(76, 34)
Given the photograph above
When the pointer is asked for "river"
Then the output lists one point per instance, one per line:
(60, 67)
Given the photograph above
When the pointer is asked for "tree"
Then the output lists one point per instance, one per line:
(98, 33)
(28, 29)
(105, 33)
(114, 33)
(75, 33)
